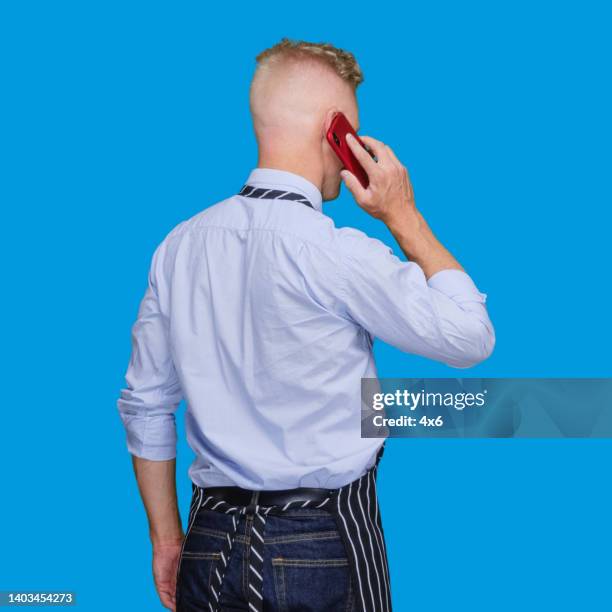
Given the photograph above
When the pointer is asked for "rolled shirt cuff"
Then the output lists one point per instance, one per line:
(151, 437)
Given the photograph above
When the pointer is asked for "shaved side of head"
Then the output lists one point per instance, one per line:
(292, 95)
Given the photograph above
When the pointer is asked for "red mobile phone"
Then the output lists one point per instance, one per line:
(336, 136)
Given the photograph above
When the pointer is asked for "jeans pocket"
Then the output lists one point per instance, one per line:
(200, 554)
(194, 579)
(312, 585)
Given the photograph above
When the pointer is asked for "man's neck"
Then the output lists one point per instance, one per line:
(297, 165)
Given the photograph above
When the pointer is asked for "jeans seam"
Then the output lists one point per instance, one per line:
(245, 573)
(279, 585)
(201, 555)
(300, 537)
(283, 561)
(220, 535)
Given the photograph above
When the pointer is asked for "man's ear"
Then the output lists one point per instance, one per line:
(329, 115)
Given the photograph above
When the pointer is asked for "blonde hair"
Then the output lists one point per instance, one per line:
(343, 63)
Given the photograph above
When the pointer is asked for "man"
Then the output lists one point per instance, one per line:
(260, 313)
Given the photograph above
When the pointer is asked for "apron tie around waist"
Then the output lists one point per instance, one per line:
(355, 509)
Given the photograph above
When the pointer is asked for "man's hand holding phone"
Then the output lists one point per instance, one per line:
(389, 194)
(390, 198)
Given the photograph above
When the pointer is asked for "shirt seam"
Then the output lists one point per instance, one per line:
(282, 232)
(342, 284)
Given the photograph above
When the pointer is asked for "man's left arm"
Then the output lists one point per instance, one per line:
(147, 405)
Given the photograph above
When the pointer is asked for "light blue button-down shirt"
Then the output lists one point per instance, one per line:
(260, 314)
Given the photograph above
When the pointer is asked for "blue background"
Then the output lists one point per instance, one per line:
(121, 119)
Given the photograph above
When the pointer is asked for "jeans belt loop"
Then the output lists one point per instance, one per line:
(252, 507)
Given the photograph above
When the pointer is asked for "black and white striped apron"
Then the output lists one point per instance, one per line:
(355, 510)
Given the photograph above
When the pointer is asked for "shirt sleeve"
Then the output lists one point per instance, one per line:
(443, 318)
(148, 402)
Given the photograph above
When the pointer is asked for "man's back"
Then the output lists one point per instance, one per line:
(262, 314)
(269, 366)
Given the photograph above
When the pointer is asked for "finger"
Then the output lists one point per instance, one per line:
(393, 157)
(167, 600)
(379, 148)
(353, 185)
(363, 157)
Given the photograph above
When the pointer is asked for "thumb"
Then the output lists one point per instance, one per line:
(353, 185)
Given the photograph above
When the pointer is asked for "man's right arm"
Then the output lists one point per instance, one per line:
(429, 305)
(390, 198)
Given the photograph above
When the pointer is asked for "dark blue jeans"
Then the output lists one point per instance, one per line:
(305, 564)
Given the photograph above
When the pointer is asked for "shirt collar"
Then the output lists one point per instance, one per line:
(281, 179)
